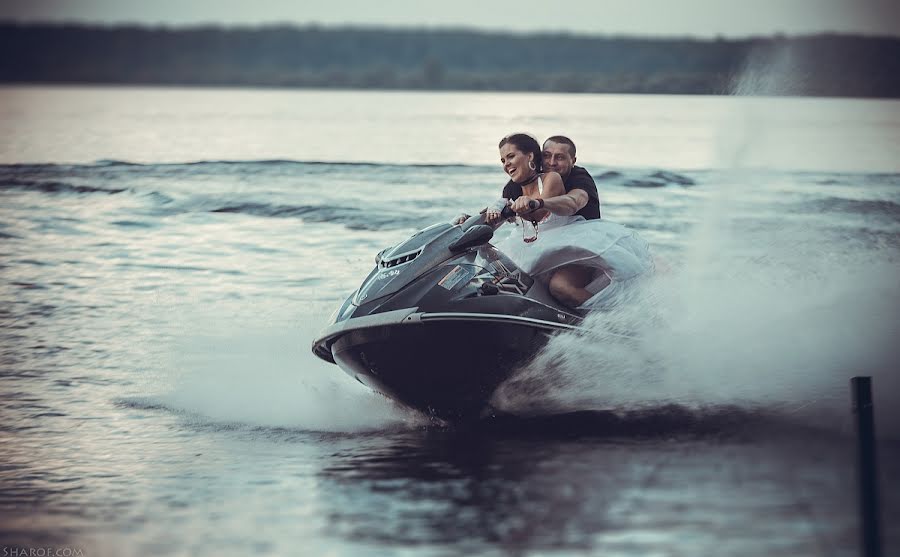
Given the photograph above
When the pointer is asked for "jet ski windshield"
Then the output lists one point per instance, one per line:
(400, 265)
(397, 266)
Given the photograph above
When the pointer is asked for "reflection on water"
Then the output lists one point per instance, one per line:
(527, 492)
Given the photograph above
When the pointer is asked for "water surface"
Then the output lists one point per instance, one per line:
(169, 254)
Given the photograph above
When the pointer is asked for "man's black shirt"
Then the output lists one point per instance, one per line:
(578, 178)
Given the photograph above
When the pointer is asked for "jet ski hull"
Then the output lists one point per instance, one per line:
(444, 364)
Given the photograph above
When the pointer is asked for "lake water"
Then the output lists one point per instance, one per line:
(169, 254)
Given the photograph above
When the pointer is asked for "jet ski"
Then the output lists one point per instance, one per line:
(442, 320)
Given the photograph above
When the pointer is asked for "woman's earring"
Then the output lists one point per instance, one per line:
(531, 165)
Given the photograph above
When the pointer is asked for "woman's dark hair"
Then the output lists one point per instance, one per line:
(527, 144)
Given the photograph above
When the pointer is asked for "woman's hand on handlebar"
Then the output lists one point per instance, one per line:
(495, 214)
(459, 219)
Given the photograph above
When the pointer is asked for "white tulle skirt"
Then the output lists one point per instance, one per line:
(615, 253)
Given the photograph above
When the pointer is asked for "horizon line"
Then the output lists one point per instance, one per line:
(441, 28)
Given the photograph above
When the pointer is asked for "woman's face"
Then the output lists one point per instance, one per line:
(515, 162)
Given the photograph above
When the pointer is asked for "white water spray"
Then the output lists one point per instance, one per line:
(243, 371)
(766, 308)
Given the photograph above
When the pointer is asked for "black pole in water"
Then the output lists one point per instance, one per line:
(868, 478)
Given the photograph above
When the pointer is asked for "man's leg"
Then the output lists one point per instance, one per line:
(570, 284)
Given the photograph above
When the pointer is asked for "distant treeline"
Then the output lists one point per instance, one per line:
(375, 58)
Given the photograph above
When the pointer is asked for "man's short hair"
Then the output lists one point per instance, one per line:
(564, 140)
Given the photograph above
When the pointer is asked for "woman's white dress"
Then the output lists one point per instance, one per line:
(608, 248)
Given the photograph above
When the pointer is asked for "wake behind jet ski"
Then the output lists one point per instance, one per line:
(442, 320)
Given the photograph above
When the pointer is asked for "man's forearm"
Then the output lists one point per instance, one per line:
(563, 205)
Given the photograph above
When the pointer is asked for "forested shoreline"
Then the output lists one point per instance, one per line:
(448, 59)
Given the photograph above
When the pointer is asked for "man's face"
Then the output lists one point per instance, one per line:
(557, 158)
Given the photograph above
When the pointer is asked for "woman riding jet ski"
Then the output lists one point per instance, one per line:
(445, 316)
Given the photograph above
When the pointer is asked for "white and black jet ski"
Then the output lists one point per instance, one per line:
(442, 320)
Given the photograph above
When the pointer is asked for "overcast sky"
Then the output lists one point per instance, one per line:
(705, 18)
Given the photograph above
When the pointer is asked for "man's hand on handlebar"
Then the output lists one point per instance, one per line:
(525, 204)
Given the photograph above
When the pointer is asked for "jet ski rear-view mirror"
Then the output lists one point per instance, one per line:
(474, 236)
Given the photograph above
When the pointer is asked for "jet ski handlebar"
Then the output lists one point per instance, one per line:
(476, 231)
(505, 213)
(508, 213)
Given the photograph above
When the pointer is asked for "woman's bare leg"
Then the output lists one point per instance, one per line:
(568, 285)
